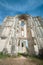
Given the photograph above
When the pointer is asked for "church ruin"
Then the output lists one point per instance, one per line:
(18, 31)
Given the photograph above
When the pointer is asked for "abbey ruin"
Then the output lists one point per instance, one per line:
(18, 31)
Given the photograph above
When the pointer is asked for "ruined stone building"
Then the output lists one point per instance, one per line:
(18, 31)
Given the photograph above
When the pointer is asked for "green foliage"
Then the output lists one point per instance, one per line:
(4, 55)
(18, 54)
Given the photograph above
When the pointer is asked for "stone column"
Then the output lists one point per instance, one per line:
(30, 42)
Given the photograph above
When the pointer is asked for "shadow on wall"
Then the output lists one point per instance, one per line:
(41, 53)
(5, 51)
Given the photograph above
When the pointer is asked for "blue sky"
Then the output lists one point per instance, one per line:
(14, 7)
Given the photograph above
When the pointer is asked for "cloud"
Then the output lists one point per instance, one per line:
(21, 5)
(13, 7)
(6, 5)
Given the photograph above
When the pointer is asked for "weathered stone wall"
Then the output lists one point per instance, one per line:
(11, 33)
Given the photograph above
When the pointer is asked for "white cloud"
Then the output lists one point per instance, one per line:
(29, 5)
(6, 5)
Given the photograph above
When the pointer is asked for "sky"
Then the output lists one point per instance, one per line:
(14, 7)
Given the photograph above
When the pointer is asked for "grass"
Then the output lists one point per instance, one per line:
(3, 55)
(36, 60)
(33, 59)
(7, 55)
(19, 55)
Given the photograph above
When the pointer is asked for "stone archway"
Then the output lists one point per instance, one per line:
(29, 34)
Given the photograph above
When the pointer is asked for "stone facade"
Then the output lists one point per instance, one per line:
(20, 30)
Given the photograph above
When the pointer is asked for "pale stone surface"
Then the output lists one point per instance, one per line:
(17, 30)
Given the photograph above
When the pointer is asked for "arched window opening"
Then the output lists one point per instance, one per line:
(22, 23)
(22, 45)
(19, 43)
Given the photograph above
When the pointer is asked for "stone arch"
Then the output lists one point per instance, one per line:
(29, 34)
(29, 37)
